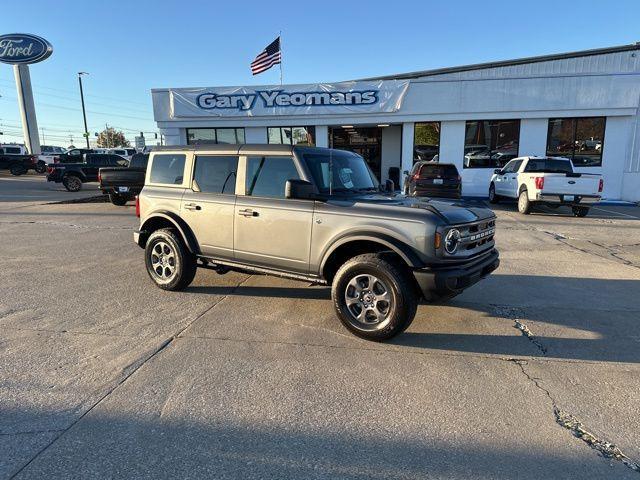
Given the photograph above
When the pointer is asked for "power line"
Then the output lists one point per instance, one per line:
(117, 100)
(50, 105)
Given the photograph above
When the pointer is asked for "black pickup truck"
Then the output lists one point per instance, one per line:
(17, 164)
(73, 175)
(124, 183)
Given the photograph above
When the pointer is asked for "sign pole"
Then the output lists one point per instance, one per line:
(27, 108)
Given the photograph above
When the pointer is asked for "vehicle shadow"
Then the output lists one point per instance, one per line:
(611, 211)
(570, 317)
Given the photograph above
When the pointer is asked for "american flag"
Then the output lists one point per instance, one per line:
(267, 58)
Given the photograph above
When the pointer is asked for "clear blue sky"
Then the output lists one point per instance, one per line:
(130, 47)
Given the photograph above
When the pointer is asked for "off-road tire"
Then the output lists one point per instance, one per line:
(184, 262)
(118, 200)
(524, 205)
(493, 197)
(17, 170)
(396, 279)
(580, 211)
(72, 183)
(41, 167)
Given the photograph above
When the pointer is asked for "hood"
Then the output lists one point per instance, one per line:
(452, 211)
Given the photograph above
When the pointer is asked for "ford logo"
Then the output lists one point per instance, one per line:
(23, 48)
(571, 182)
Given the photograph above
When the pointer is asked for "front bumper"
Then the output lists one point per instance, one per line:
(446, 281)
(559, 199)
(136, 237)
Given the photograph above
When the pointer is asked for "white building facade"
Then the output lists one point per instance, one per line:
(583, 105)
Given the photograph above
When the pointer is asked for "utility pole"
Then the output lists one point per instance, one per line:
(84, 113)
(43, 139)
(106, 131)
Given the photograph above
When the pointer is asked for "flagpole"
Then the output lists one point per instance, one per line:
(280, 37)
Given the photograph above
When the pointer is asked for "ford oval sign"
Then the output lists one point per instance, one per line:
(23, 48)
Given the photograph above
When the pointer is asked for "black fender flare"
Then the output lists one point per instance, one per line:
(402, 249)
(180, 225)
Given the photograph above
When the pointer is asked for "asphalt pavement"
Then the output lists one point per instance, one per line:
(532, 373)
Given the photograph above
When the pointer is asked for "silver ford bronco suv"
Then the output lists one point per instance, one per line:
(312, 214)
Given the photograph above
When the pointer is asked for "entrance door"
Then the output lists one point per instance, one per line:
(365, 141)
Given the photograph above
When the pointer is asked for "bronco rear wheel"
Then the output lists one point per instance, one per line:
(374, 296)
(169, 262)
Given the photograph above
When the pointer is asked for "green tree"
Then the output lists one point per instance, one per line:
(111, 138)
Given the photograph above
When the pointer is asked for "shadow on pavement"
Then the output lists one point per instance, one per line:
(573, 318)
(150, 446)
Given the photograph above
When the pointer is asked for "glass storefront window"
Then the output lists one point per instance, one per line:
(292, 135)
(579, 139)
(212, 136)
(426, 141)
(490, 143)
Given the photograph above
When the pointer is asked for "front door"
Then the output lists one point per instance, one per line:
(208, 206)
(270, 230)
(365, 141)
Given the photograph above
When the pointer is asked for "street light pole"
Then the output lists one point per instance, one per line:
(84, 113)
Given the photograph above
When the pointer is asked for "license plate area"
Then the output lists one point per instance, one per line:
(123, 189)
(569, 198)
(438, 181)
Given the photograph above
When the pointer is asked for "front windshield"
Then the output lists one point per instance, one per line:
(348, 172)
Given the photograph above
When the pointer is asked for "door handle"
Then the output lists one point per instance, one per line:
(192, 206)
(247, 212)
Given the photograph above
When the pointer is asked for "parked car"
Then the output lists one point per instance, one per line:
(546, 180)
(74, 155)
(312, 214)
(14, 149)
(123, 152)
(73, 175)
(17, 163)
(49, 154)
(428, 179)
(124, 183)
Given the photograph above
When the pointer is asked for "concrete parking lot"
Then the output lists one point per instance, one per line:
(532, 373)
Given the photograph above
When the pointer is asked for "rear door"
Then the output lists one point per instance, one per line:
(269, 229)
(208, 205)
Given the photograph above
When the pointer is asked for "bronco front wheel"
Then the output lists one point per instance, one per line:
(374, 296)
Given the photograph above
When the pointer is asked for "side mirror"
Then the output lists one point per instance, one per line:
(298, 189)
(389, 186)
(498, 171)
(406, 172)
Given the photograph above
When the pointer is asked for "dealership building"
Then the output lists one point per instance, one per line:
(582, 105)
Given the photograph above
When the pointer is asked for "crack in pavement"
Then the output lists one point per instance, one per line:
(569, 422)
(516, 314)
(32, 432)
(128, 371)
(63, 224)
(527, 333)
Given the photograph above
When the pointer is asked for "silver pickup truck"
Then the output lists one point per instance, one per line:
(312, 214)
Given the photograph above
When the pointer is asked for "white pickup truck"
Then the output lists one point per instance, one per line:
(546, 180)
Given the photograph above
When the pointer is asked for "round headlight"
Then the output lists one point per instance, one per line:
(451, 240)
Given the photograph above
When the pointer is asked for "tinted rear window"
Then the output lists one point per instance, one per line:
(446, 171)
(167, 169)
(216, 174)
(548, 165)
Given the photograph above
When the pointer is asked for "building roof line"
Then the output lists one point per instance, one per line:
(507, 63)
